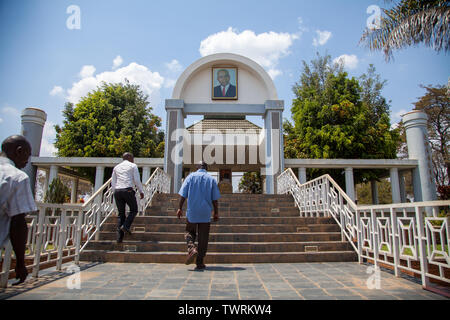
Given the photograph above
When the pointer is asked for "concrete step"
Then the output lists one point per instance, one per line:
(300, 221)
(251, 229)
(230, 237)
(169, 246)
(275, 212)
(214, 257)
(236, 228)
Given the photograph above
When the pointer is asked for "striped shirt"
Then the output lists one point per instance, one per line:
(15, 195)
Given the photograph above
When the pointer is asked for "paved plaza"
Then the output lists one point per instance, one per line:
(283, 281)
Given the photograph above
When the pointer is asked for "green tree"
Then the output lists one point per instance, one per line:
(57, 192)
(111, 120)
(410, 22)
(334, 118)
(251, 183)
(364, 192)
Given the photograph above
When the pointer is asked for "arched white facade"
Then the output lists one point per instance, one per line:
(255, 85)
(193, 95)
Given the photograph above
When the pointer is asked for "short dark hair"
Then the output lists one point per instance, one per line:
(12, 142)
(202, 165)
(127, 155)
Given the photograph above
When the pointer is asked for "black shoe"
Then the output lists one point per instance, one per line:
(120, 235)
(200, 267)
(22, 277)
(124, 229)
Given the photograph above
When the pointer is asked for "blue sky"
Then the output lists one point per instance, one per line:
(43, 63)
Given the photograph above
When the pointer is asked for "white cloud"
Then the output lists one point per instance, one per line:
(1, 120)
(396, 117)
(265, 48)
(150, 82)
(349, 61)
(57, 91)
(322, 38)
(169, 83)
(10, 111)
(301, 27)
(117, 62)
(87, 71)
(174, 66)
(48, 137)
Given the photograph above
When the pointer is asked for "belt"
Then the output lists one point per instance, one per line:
(126, 189)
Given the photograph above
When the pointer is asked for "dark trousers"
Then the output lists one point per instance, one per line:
(18, 235)
(200, 231)
(126, 197)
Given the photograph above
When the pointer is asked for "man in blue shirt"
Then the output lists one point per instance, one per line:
(202, 193)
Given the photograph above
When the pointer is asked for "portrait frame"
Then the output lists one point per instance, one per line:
(232, 91)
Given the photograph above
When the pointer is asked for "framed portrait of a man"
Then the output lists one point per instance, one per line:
(224, 83)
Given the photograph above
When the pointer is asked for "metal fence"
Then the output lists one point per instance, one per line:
(408, 237)
(58, 233)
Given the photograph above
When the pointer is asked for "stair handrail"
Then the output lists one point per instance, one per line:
(60, 232)
(322, 196)
(408, 237)
(159, 182)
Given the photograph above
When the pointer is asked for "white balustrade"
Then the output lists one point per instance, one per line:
(58, 233)
(401, 235)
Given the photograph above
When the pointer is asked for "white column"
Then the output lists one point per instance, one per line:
(73, 190)
(302, 175)
(418, 148)
(33, 121)
(374, 187)
(395, 187)
(53, 174)
(401, 178)
(99, 176)
(47, 183)
(274, 156)
(173, 148)
(349, 183)
(145, 174)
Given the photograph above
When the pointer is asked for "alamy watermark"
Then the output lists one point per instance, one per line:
(74, 280)
(73, 22)
(374, 21)
(374, 280)
(228, 147)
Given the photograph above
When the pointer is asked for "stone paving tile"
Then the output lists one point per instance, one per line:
(289, 281)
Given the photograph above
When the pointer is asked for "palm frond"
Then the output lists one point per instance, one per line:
(405, 27)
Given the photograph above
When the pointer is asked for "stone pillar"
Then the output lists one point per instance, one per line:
(349, 183)
(99, 176)
(145, 174)
(395, 186)
(173, 151)
(418, 148)
(374, 188)
(33, 121)
(302, 175)
(274, 154)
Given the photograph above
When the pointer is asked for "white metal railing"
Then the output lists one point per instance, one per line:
(406, 236)
(58, 233)
(159, 181)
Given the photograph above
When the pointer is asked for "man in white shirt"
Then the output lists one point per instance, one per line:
(124, 177)
(16, 199)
